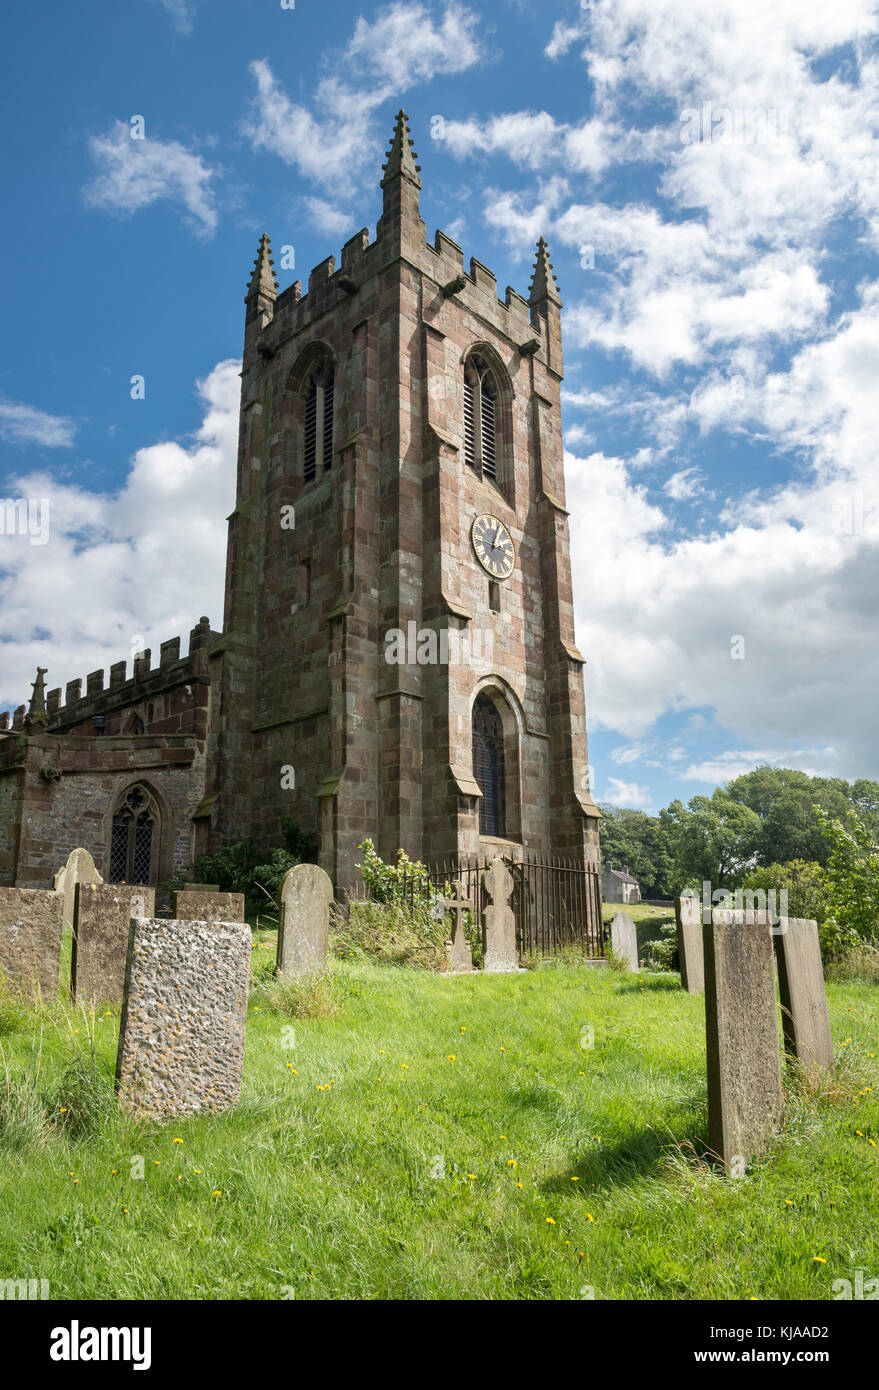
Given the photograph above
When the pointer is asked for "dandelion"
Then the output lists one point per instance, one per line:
(451, 1057)
(511, 1163)
(471, 1176)
(197, 1170)
(216, 1192)
(589, 1216)
(520, 1184)
(575, 1179)
(550, 1221)
(125, 1209)
(177, 1141)
(292, 1068)
(503, 1136)
(63, 1110)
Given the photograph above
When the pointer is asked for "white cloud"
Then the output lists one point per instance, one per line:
(685, 485)
(337, 140)
(128, 569)
(619, 793)
(328, 219)
(180, 12)
(134, 173)
(24, 424)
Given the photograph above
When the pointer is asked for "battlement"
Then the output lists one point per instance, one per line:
(102, 698)
(274, 318)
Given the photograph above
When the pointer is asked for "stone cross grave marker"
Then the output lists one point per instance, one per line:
(500, 955)
(804, 1017)
(460, 954)
(624, 940)
(742, 1043)
(197, 906)
(30, 937)
(102, 918)
(80, 868)
(304, 923)
(691, 957)
(181, 1037)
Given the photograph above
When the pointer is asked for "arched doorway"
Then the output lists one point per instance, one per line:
(489, 767)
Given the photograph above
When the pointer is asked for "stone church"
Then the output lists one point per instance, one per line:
(397, 654)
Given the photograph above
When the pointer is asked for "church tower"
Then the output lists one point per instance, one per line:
(398, 657)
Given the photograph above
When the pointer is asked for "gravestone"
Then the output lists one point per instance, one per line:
(30, 937)
(742, 1044)
(459, 953)
(804, 1017)
(500, 955)
(197, 906)
(102, 918)
(304, 923)
(624, 940)
(201, 887)
(181, 1037)
(80, 868)
(691, 956)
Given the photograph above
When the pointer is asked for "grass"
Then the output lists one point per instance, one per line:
(414, 1136)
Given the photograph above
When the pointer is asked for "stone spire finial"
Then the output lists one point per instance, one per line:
(36, 717)
(543, 285)
(263, 281)
(401, 156)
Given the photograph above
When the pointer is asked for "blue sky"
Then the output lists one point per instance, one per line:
(706, 177)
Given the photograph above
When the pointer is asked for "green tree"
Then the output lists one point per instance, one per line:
(784, 799)
(714, 838)
(640, 842)
(852, 884)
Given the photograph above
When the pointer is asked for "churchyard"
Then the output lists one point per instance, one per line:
(306, 1122)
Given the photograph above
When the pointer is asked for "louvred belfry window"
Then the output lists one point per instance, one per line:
(133, 839)
(480, 418)
(489, 766)
(318, 447)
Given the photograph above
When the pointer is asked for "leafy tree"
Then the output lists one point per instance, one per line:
(640, 842)
(714, 838)
(852, 885)
(804, 883)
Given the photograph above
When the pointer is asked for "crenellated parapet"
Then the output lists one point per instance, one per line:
(102, 698)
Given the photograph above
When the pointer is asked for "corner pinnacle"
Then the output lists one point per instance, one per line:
(263, 281)
(401, 157)
(543, 285)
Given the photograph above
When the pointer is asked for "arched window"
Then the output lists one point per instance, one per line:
(489, 767)
(480, 417)
(134, 838)
(318, 420)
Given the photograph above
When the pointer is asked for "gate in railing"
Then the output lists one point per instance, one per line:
(557, 902)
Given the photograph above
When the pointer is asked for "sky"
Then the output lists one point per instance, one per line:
(707, 178)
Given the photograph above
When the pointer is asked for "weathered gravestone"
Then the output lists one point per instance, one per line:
(30, 937)
(198, 906)
(742, 1044)
(624, 940)
(459, 953)
(201, 887)
(101, 924)
(691, 955)
(804, 1017)
(80, 868)
(181, 1037)
(500, 955)
(304, 923)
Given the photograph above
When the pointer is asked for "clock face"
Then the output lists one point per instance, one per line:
(494, 546)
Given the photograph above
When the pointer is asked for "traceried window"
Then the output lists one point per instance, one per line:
(480, 417)
(318, 453)
(489, 766)
(134, 836)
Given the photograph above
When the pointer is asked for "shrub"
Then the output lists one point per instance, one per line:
(852, 886)
(394, 933)
(241, 867)
(84, 1099)
(311, 996)
(662, 952)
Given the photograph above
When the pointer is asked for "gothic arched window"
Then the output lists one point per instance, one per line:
(480, 417)
(318, 420)
(489, 767)
(134, 838)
